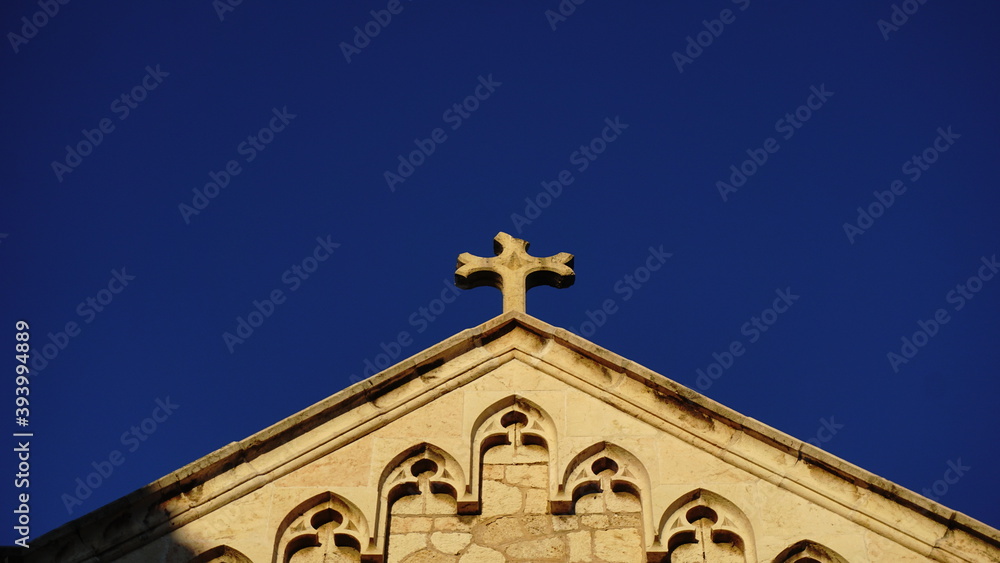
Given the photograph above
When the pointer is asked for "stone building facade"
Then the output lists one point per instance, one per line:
(516, 441)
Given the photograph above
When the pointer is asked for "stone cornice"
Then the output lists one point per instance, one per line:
(245, 466)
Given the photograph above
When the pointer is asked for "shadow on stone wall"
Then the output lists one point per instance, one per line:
(113, 532)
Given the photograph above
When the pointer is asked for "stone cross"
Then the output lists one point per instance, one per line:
(513, 271)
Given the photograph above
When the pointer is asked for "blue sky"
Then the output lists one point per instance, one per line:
(790, 208)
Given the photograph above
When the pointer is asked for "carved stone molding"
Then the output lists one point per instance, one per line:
(325, 523)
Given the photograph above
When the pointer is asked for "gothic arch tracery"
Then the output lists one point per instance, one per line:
(512, 421)
(708, 523)
(699, 526)
(807, 551)
(604, 468)
(326, 522)
(420, 469)
(221, 554)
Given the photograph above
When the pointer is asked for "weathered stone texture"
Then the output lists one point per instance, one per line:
(519, 442)
(515, 524)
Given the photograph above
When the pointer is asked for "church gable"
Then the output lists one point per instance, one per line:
(517, 441)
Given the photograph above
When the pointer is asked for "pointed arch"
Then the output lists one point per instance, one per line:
(685, 520)
(345, 527)
(513, 420)
(401, 477)
(583, 475)
(221, 554)
(807, 551)
(604, 467)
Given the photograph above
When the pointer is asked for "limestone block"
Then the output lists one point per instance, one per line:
(500, 531)
(960, 542)
(450, 542)
(590, 504)
(454, 523)
(538, 524)
(500, 499)
(493, 471)
(536, 501)
(349, 466)
(440, 504)
(441, 417)
(878, 548)
(412, 504)
(622, 502)
(401, 545)
(596, 521)
(516, 454)
(541, 548)
(591, 417)
(479, 554)
(564, 523)
(579, 547)
(429, 556)
(536, 476)
(623, 545)
(625, 520)
(406, 524)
